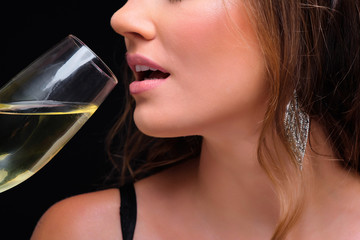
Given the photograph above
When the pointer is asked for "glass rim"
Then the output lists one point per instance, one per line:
(107, 70)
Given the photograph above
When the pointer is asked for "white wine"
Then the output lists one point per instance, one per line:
(32, 132)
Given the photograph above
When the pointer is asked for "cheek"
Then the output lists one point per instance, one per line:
(192, 26)
(212, 59)
(207, 43)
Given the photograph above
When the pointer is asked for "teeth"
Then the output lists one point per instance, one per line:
(142, 68)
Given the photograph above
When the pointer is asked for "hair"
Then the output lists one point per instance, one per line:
(311, 47)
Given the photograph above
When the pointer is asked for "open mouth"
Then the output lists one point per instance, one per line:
(147, 73)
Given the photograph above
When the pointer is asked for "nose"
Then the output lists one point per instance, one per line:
(133, 20)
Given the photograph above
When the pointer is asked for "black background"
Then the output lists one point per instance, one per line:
(28, 29)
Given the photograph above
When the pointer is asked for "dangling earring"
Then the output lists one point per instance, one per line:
(297, 125)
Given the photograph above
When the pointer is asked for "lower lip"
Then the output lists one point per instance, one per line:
(137, 87)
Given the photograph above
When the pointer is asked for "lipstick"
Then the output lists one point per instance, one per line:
(148, 74)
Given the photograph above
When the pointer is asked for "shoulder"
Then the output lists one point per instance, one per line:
(86, 216)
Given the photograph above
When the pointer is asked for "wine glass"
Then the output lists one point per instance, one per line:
(43, 107)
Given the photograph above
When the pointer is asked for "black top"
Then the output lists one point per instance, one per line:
(128, 211)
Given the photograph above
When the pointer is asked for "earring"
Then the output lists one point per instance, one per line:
(296, 125)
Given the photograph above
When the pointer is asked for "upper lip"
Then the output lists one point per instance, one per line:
(138, 61)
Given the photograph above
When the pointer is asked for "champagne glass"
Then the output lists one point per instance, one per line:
(43, 107)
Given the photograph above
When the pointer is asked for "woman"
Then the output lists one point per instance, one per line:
(254, 105)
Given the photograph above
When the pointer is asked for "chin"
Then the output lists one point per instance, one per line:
(165, 124)
(159, 133)
(157, 129)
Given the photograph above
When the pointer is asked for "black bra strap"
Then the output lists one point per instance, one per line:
(128, 211)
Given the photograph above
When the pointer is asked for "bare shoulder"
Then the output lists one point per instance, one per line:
(96, 215)
(87, 216)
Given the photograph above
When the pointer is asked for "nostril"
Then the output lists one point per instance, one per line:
(134, 35)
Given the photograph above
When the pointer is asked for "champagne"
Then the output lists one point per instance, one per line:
(32, 132)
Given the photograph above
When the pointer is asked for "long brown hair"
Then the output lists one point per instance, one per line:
(311, 47)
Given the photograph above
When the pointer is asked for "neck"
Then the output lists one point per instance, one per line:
(234, 194)
(233, 189)
(331, 192)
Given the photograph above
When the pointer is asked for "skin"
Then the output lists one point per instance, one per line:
(217, 72)
(195, 55)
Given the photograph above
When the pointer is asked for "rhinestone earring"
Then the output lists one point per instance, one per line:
(297, 125)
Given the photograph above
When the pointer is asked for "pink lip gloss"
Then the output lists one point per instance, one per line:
(137, 87)
(138, 64)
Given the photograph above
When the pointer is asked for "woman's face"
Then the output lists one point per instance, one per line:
(212, 68)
